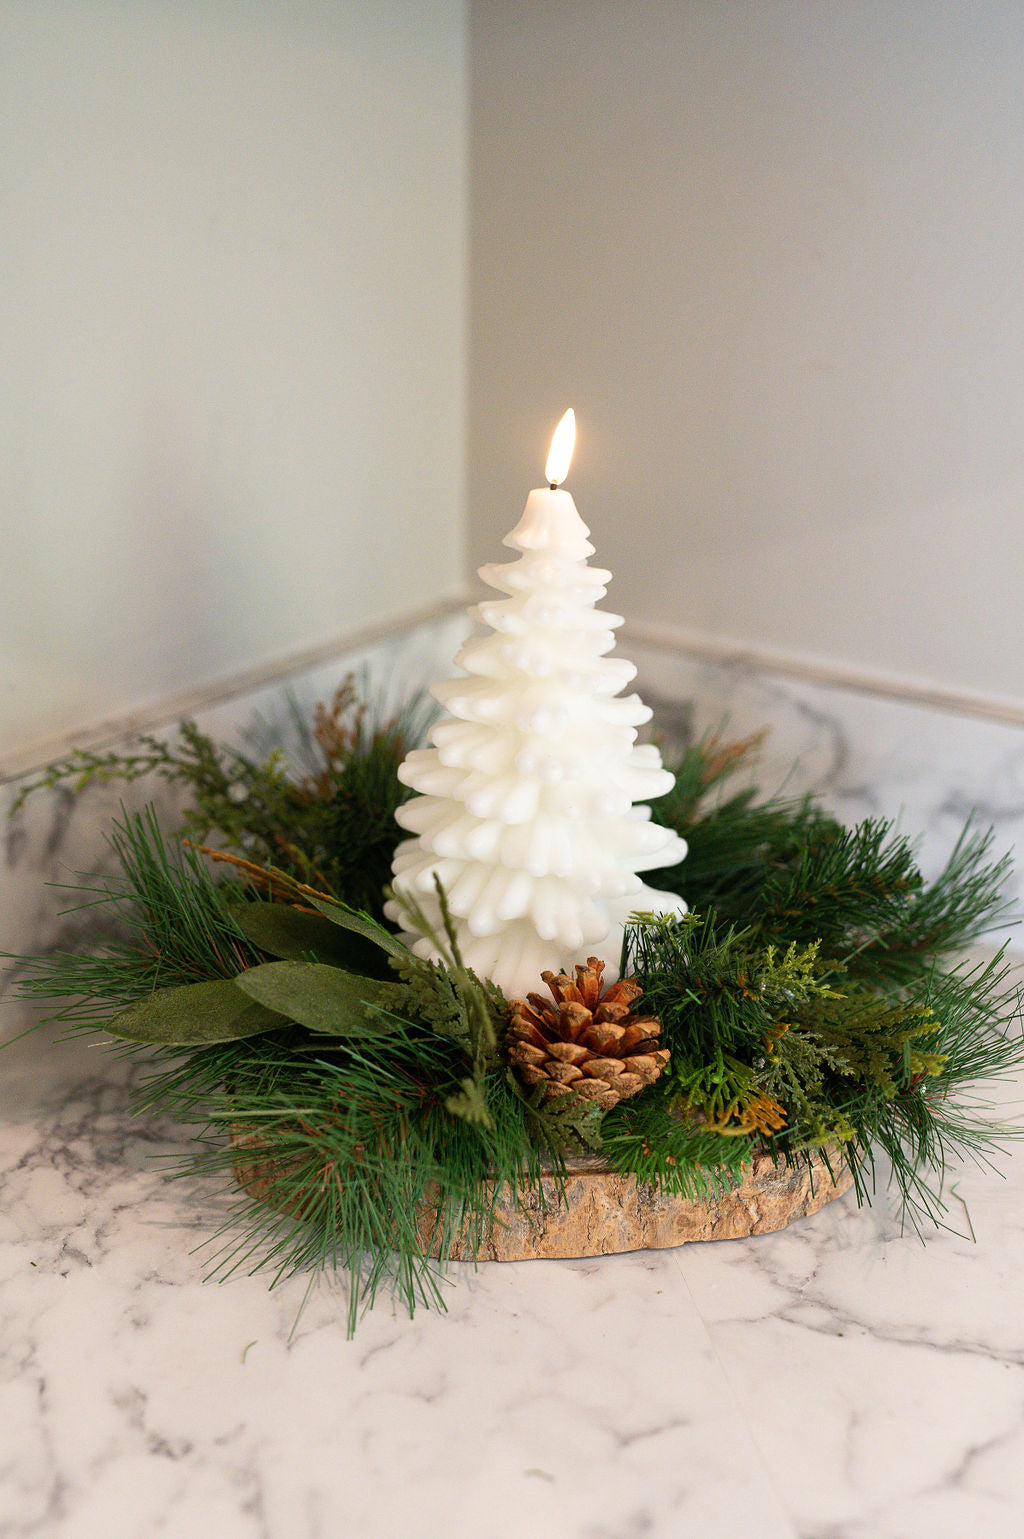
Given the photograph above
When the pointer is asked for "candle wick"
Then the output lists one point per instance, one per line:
(553, 486)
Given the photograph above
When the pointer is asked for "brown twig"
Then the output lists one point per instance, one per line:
(281, 887)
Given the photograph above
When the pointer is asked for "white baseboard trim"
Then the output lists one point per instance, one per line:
(168, 709)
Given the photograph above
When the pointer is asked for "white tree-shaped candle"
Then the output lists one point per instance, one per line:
(527, 813)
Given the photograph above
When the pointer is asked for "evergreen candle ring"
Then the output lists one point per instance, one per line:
(397, 1093)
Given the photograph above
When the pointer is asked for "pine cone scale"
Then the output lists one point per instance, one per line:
(611, 1012)
(527, 1053)
(600, 1037)
(567, 1052)
(564, 1073)
(531, 1075)
(639, 1037)
(574, 1018)
(603, 1068)
(648, 1065)
(591, 1090)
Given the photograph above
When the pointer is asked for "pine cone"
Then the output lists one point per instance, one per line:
(585, 1042)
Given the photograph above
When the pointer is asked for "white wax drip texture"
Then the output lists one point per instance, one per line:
(527, 808)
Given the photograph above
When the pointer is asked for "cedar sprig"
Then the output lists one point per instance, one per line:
(720, 997)
(968, 1032)
(868, 1039)
(730, 1097)
(455, 1000)
(715, 987)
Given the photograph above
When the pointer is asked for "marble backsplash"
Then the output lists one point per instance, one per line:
(866, 755)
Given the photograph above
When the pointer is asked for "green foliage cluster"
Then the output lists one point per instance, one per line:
(848, 1037)
(328, 820)
(807, 1001)
(789, 872)
(379, 1110)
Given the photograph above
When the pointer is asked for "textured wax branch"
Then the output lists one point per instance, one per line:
(527, 809)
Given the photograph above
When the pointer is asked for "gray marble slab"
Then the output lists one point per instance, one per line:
(837, 1381)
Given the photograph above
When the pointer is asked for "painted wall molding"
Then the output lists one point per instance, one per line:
(796, 665)
(686, 643)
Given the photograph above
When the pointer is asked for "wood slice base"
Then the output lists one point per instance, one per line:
(601, 1213)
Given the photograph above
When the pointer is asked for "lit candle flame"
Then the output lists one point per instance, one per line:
(562, 445)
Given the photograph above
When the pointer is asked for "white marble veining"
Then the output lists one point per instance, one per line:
(837, 1381)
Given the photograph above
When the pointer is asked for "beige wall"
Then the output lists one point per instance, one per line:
(773, 254)
(231, 337)
(770, 251)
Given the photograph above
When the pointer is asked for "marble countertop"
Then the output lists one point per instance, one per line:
(839, 1380)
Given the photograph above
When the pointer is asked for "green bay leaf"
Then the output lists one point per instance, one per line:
(359, 924)
(193, 1014)
(294, 935)
(321, 998)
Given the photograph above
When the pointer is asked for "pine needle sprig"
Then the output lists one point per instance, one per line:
(696, 981)
(195, 1086)
(177, 930)
(335, 1181)
(967, 901)
(673, 1153)
(978, 1014)
(736, 848)
(736, 841)
(844, 888)
(753, 859)
(86, 990)
(700, 771)
(168, 896)
(349, 1159)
